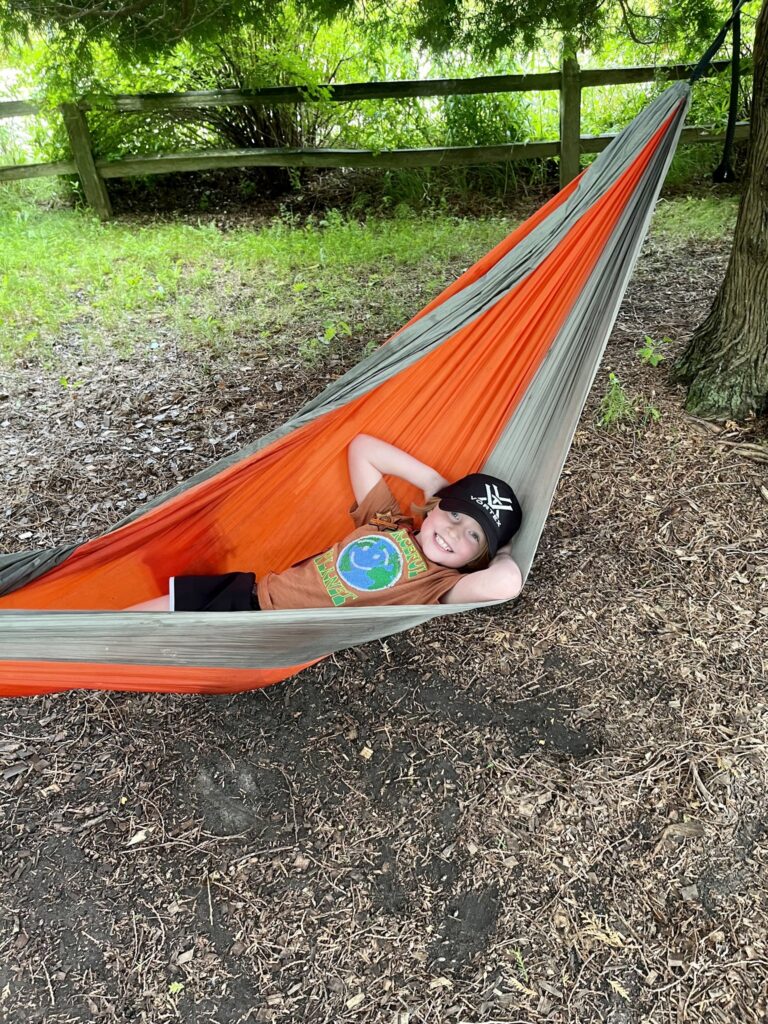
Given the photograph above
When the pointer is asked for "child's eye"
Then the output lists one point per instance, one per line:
(454, 516)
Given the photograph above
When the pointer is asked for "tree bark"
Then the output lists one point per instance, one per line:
(726, 362)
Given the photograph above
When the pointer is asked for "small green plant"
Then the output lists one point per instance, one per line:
(247, 189)
(650, 414)
(313, 348)
(175, 989)
(521, 968)
(333, 330)
(653, 352)
(616, 406)
(70, 385)
(619, 408)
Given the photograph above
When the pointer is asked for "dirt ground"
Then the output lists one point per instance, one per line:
(554, 811)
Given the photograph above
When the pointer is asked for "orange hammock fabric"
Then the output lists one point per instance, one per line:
(290, 499)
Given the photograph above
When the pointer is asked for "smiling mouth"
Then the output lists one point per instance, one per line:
(442, 544)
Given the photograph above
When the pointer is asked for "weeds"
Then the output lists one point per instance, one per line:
(649, 414)
(618, 408)
(314, 348)
(520, 963)
(653, 352)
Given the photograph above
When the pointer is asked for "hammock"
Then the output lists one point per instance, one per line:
(492, 375)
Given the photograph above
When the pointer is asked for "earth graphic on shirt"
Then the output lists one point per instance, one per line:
(373, 562)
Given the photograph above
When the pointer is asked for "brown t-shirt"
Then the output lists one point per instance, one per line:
(370, 566)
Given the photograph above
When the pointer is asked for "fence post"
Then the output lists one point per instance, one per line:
(80, 140)
(570, 119)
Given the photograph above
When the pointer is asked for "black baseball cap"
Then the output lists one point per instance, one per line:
(490, 501)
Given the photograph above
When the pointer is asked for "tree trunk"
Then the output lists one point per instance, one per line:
(726, 362)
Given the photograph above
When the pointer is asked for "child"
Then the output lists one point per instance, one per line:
(460, 554)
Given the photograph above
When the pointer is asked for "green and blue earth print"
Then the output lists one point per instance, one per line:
(370, 563)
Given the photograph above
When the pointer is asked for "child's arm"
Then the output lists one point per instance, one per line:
(369, 459)
(155, 604)
(501, 581)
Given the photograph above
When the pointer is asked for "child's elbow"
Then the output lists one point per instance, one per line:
(508, 583)
(505, 593)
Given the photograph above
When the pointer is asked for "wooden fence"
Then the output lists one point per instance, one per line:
(569, 81)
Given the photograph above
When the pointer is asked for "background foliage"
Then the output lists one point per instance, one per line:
(246, 45)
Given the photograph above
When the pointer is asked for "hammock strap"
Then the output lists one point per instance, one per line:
(724, 170)
(718, 41)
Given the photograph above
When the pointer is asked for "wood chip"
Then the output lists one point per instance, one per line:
(619, 988)
(138, 837)
(680, 830)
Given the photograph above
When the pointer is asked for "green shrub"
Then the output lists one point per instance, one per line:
(358, 47)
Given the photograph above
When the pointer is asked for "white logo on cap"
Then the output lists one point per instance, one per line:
(494, 503)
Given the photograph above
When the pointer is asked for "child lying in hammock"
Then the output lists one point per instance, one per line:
(460, 554)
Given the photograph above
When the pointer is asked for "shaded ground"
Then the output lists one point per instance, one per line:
(555, 811)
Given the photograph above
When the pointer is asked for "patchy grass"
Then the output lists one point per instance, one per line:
(128, 286)
(67, 280)
(707, 218)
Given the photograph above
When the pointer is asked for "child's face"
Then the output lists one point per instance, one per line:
(452, 539)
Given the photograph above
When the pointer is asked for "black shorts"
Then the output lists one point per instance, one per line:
(232, 592)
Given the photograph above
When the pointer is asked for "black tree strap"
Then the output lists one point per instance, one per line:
(724, 171)
(718, 41)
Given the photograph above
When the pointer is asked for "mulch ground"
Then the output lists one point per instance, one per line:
(553, 811)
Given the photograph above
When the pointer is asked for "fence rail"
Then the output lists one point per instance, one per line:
(569, 81)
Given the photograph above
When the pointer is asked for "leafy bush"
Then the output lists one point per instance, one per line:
(244, 60)
(296, 51)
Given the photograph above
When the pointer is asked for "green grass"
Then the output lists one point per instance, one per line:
(705, 217)
(122, 284)
(67, 278)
